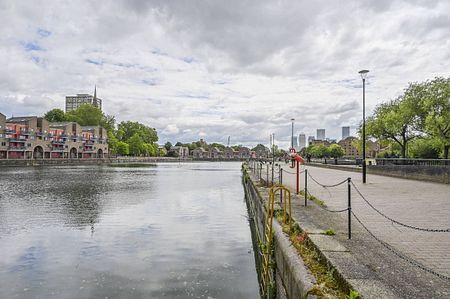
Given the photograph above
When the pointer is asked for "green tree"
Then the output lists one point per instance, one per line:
(125, 130)
(112, 142)
(335, 151)
(396, 120)
(123, 148)
(424, 148)
(55, 115)
(136, 145)
(317, 150)
(86, 115)
(168, 145)
(436, 104)
(108, 122)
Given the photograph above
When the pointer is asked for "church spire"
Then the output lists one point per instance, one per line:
(95, 92)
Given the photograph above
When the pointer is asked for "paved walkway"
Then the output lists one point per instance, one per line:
(416, 203)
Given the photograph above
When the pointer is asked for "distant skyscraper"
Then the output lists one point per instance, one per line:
(310, 139)
(73, 102)
(301, 140)
(320, 134)
(345, 132)
(294, 142)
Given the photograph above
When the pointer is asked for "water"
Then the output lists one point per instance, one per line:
(166, 231)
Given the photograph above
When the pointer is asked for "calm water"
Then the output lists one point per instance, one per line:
(167, 231)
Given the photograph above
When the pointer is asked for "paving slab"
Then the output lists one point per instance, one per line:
(327, 243)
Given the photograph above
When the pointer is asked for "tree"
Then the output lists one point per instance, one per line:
(317, 150)
(136, 145)
(436, 102)
(112, 142)
(108, 122)
(424, 148)
(167, 146)
(86, 115)
(335, 151)
(123, 148)
(55, 115)
(125, 130)
(396, 120)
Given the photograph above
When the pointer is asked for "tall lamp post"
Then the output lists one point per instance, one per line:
(363, 74)
(292, 136)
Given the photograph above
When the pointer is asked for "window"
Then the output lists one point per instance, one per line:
(3, 143)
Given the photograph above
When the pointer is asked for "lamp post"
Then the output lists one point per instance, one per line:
(363, 74)
(292, 136)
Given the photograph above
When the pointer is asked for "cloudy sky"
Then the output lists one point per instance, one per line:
(213, 69)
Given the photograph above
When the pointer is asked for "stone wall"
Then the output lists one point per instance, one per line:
(438, 174)
(293, 279)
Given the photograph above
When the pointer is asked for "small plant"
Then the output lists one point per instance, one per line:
(330, 232)
(353, 295)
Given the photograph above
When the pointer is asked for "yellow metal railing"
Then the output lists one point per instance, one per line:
(266, 275)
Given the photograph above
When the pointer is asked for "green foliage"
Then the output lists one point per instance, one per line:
(168, 145)
(318, 151)
(86, 115)
(136, 145)
(55, 115)
(218, 145)
(424, 148)
(123, 148)
(330, 232)
(353, 295)
(335, 151)
(436, 102)
(422, 111)
(127, 129)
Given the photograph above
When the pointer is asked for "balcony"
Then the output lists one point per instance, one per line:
(57, 150)
(17, 140)
(9, 131)
(58, 142)
(16, 148)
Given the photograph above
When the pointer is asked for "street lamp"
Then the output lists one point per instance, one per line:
(292, 136)
(363, 74)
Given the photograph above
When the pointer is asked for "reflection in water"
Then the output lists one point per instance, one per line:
(171, 231)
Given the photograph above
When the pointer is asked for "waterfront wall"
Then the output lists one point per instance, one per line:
(293, 279)
(430, 173)
(87, 161)
(438, 174)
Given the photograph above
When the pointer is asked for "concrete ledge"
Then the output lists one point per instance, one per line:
(296, 278)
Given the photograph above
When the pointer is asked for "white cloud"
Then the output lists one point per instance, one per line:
(217, 69)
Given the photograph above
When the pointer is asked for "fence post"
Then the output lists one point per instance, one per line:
(272, 172)
(260, 170)
(298, 177)
(281, 183)
(349, 208)
(306, 187)
(267, 175)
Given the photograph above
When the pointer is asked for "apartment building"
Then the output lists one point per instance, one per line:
(73, 102)
(32, 137)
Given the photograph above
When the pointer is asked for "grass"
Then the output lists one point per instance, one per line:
(314, 199)
(327, 286)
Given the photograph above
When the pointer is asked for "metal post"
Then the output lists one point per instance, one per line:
(306, 187)
(349, 209)
(260, 170)
(281, 182)
(267, 175)
(364, 132)
(298, 176)
(272, 172)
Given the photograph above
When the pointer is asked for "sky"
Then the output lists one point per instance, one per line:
(213, 69)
